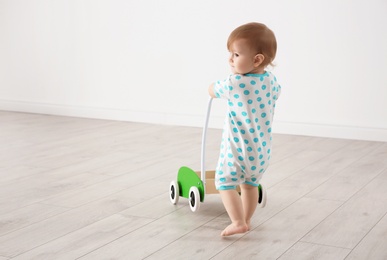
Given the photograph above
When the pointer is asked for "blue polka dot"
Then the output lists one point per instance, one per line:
(263, 87)
(238, 77)
(235, 130)
(253, 110)
(256, 140)
(253, 82)
(230, 155)
(234, 179)
(251, 158)
(250, 101)
(251, 130)
(222, 179)
(236, 96)
(269, 130)
(240, 158)
(239, 150)
(259, 149)
(220, 172)
(248, 121)
(263, 143)
(239, 123)
(254, 179)
(236, 139)
(243, 131)
(259, 99)
(262, 163)
(230, 103)
(230, 164)
(268, 94)
(253, 168)
(263, 115)
(267, 123)
(233, 113)
(240, 104)
(261, 106)
(242, 85)
(233, 173)
(246, 141)
(261, 134)
(246, 92)
(244, 113)
(256, 92)
(268, 151)
(260, 156)
(231, 88)
(256, 120)
(249, 149)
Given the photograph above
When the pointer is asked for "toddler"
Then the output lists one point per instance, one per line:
(251, 93)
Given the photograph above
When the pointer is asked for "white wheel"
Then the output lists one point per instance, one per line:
(262, 196)
(174, 192)
(194, 199)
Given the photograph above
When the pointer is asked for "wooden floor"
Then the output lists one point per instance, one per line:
(75, 188)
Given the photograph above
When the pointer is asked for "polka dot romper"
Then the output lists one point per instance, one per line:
(246, 139)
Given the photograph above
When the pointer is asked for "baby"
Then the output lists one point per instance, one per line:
(251, 93)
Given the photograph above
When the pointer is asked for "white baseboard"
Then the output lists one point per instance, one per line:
(332, 131)
(293, 128)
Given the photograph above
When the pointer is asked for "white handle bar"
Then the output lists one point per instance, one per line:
(203, 167)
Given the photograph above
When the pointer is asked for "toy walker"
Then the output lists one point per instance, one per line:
(193, 185)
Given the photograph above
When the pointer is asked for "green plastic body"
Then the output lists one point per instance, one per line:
(187, 178)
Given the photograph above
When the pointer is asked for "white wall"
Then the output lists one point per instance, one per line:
(152, 61)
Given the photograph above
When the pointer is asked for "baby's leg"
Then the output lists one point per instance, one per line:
(234, 207)
(249, 196)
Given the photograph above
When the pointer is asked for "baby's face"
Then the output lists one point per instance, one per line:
(241, 57)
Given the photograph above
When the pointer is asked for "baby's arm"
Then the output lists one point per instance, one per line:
(211, 91)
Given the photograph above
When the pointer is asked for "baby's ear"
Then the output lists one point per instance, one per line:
(258, 59)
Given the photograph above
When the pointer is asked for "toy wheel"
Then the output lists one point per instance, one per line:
(174, 192)
(261, 196)
(194, 199)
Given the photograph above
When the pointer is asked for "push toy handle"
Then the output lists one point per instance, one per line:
(204, 136)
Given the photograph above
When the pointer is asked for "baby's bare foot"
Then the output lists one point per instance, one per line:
(234, 229)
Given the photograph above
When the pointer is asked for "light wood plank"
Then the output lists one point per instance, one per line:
(97, 189)
(84, 240)
(26, 216)
(373, 246)
(25, 239)
(157, 234)
(347, 226)
(307, 251)
(271, 239)
(353, 178)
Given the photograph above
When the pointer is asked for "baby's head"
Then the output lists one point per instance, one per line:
(259, 38)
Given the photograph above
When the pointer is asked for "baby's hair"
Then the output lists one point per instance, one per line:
(259, 37)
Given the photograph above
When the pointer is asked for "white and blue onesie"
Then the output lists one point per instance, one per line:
(247, 132)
